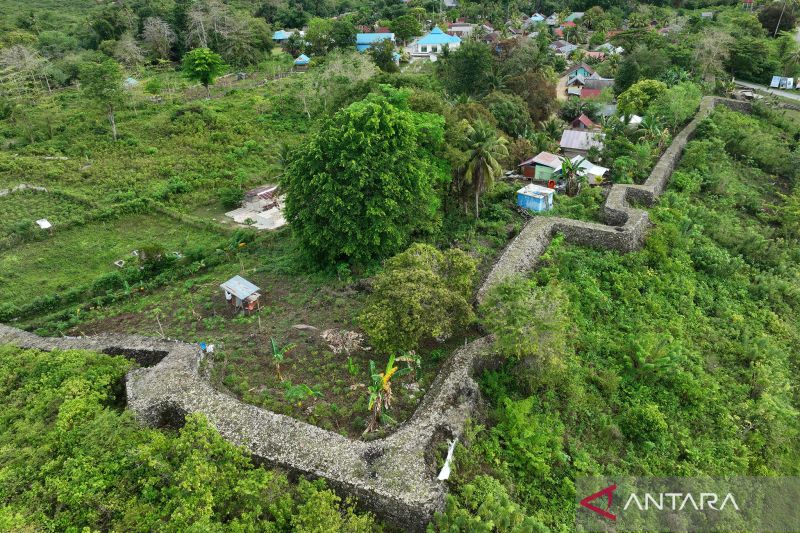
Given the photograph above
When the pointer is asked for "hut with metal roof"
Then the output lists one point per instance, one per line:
(542, 167)
(241, 294)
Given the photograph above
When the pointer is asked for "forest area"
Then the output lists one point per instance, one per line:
(133, 128)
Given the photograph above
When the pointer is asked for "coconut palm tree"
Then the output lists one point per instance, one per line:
(485, 148)
(552, 128)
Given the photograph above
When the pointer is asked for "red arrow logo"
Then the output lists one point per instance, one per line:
(607, 492)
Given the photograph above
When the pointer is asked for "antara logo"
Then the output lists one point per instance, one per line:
(608, 492)
(673, 501)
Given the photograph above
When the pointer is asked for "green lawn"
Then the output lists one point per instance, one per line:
(77, 256)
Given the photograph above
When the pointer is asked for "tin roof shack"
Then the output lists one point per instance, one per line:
(579, 142)
(535, 198)
(595, 174)
(241, 294)
(261, 198)
(543, 167)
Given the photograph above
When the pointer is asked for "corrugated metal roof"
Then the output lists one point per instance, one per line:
(534, 190)
(437, 36)
(302, 60)
(581, 140)
(544, 158)
(239, 287)
(372, 38)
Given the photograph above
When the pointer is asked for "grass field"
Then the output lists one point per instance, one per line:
(77, 256)
(28, 205)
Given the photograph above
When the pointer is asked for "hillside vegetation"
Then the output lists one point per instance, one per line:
(136, 126)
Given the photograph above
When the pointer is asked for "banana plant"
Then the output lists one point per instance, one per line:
(278, 354)
(413, 361)
(380, 391)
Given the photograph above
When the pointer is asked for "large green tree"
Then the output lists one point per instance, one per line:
(203, 65)
(467, 71)
(405, 27)
(102, 84)
(363, 183)
(421, 294)
(639, 96)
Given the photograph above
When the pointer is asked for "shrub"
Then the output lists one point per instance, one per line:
(422, 293)
(527, 321)
(231, 197)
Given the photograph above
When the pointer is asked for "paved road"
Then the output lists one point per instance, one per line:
(792, 95)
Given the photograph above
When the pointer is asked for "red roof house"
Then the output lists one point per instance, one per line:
(582, 123)
(588, 94)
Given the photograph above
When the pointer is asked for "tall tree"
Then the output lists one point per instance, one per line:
(383, 55)
(343, 34)
(485, 149)
(364, 182)
(203, 65)
(158, 37)
(405, 27)
(467, 70)
(102, 83)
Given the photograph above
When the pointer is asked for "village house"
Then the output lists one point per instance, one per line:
(596, 55)
(535, 198)
(281, 36)
(241, 294)
(434, 43)
(301, 63)
(583, 123)
(460, 29)
(364, 41)
(579, 142)
(542, 167)
(582, 69)
(562, 48)
(610, 49)
(594, 174)
(552, 20)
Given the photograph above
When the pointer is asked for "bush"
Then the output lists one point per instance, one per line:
(231, 197)
(422, 293)
(527, 321)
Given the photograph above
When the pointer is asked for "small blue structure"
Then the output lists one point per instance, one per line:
(535, 198)
(302, 61)
(281, 36)
(364, 41)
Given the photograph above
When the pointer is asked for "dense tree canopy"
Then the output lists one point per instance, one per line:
(359, 188)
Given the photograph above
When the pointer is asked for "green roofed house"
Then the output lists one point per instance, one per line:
(434, 43)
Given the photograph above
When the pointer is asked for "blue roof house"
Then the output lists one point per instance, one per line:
(281, 36)
(364, 41)
(535, 198)
(435, 42)
(302, 60)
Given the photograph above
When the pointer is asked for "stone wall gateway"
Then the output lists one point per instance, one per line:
(392, 476)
